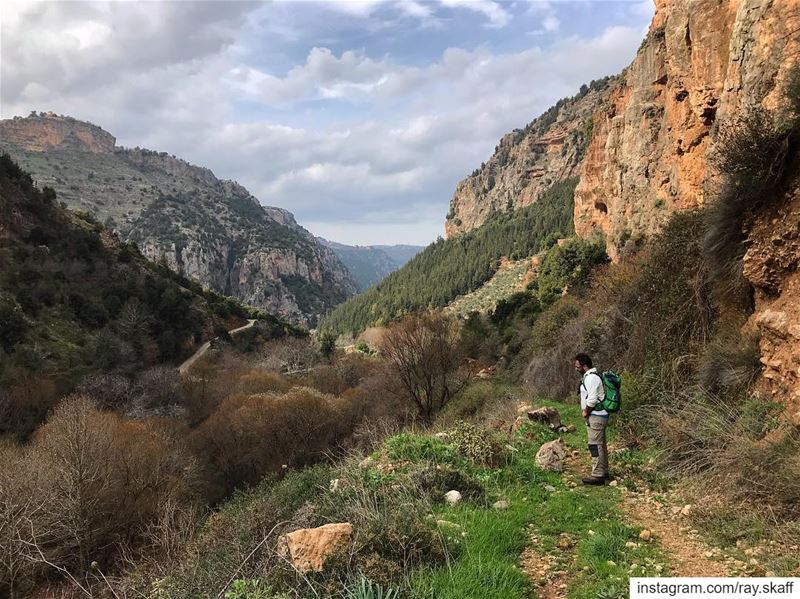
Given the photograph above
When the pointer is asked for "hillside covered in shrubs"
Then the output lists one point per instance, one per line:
(448, 268)
(74, 300)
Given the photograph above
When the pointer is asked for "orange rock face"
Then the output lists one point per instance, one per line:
(309, 548)
(772, 265)
(702, 61)
(50, 131)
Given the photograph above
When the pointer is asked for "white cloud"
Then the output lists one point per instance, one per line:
(362, 148)
(497, 15)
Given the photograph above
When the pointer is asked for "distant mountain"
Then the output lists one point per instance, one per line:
(202, 227)
(400, 254)
(370, 264)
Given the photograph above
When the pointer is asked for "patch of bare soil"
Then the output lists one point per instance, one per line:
(668, 524)
(544, 570)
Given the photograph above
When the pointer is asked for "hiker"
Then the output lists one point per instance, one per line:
(592, 393)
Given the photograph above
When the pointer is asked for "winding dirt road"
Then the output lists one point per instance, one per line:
(184, 368)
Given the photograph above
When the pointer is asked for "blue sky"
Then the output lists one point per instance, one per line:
(359, 117)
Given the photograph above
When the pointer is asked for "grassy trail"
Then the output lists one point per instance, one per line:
(555, 539)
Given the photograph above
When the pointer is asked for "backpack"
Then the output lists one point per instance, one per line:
(612, 385)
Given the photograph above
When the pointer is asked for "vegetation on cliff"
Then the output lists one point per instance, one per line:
(449, 268)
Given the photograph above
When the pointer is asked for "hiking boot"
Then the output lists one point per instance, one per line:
(594, 480)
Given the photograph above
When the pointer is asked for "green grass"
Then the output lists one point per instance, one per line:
(492, 540)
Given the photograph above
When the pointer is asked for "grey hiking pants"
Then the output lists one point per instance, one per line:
(596, 431)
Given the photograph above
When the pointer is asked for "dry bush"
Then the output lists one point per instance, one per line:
(102, 482)
(424, 350)
(345, 373)
(551, 372)
(110, 391)
(739, 446)
(249, 436)
(262, 381)
(289, 355)
(157, 390)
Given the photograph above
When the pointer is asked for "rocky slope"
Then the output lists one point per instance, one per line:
(211, 230)
(528, 161)
(640, 142)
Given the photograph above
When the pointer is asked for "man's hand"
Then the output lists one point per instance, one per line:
(585, 412)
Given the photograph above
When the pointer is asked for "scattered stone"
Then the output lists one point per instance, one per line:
(448, 524)
(524, 408)
(367, 462)
(500, 505)
(550, 488)
(564, 542)
(613, 483)
(308, 549)
(452, 497)
(443, 437)
(645, 535)
(611, 563)
(686, 510)
(551, 456)
(562, 429)
(571, 428)
(631, 545)
(334, 485)
(753, 561)
(548, 416)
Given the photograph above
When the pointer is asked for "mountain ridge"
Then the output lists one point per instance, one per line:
(203, 227)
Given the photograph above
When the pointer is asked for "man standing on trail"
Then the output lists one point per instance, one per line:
(592, 393)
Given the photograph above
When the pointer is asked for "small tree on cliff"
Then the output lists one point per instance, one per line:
(423, 349)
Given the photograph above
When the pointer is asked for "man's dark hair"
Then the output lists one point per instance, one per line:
(584, 360)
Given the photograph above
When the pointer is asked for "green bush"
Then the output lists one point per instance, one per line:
(477, 444)
(406, 446)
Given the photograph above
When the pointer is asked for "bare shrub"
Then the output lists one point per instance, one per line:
(423, 348)
(110, 391)
(102, 482)
(157, 390)
(262, 381)
(251, 435)
(289, 355)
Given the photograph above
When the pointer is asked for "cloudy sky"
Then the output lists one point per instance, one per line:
(359, 117)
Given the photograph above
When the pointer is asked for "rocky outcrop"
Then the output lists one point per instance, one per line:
(309, 548)
(49, 131)
(210, 230)
(528, 161)
(772, 265)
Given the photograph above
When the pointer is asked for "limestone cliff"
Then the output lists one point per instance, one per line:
(211, 230)
(528, 161)
(640, 142)
(42, 132)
